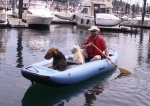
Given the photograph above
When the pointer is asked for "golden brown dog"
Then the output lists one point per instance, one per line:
(59, 60)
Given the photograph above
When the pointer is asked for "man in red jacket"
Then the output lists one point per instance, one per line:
(91, 53)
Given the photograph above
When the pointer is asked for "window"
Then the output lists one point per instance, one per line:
(102, 10)
(85, 10)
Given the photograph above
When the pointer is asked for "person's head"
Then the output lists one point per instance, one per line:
(94, 30)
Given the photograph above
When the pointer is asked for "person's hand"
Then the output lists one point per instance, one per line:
(108, 58)
(90, 43)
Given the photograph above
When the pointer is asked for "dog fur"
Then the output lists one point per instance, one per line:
(78, 56)
(59, 60)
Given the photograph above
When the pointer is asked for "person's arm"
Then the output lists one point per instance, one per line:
(106, 49)
(87, 45)
(106, 52)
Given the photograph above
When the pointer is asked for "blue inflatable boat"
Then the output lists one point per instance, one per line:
(42, 73)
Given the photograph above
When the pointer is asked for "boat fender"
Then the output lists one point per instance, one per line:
(88, 21)
(81, 21)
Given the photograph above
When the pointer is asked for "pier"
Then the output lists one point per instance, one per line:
(19, 23)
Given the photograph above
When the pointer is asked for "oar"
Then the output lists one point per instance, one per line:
(123, 71)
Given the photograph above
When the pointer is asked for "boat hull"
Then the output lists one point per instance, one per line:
(87, 21)
(107, 20)
(64, 15)
(38, 20)
(84, 20)
(41, 74)
(3, 17)
(38, 13)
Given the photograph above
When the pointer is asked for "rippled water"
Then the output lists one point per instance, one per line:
(22, 47)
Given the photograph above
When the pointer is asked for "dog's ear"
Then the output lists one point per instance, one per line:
(55, 51)
(73, 50)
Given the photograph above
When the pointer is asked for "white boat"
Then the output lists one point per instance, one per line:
(107, 20)
(4, 21)
(64, 15)
(38, 13)
(3, 15)
(95, 12)
(136, 20)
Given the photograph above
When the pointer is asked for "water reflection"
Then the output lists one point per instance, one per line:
(3, 44)
(3, 41)
(41, 95)
(90, 95)
(148, 54)
(141, 45)
(141, 36)
(19, 49)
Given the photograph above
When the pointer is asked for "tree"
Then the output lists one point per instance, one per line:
(133, 8)
(137, 8)
(61, 0)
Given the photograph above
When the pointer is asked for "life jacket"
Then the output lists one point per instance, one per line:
(99, 42)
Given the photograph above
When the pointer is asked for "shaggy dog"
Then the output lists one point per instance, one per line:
(78, 56)
(59, 60)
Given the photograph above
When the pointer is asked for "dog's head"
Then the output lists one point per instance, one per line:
(50, 53)
(75, 48)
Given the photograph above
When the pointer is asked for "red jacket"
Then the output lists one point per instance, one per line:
(98, 42)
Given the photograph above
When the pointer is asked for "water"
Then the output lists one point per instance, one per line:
(22, 47)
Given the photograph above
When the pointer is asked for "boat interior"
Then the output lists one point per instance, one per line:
(70, 63)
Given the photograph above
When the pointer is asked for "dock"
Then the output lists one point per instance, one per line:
(15, 23)
(136, 26)
(18, 23)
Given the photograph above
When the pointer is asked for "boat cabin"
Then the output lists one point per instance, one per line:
(91, 7)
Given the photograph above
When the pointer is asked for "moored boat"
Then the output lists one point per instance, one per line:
(64, 15)
(42, 73)
(38, 13)
(3, 15)
(95, 12)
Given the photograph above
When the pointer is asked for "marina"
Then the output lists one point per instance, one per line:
(84, 16)
(78, 18)
(18, 23)
(22, 46)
